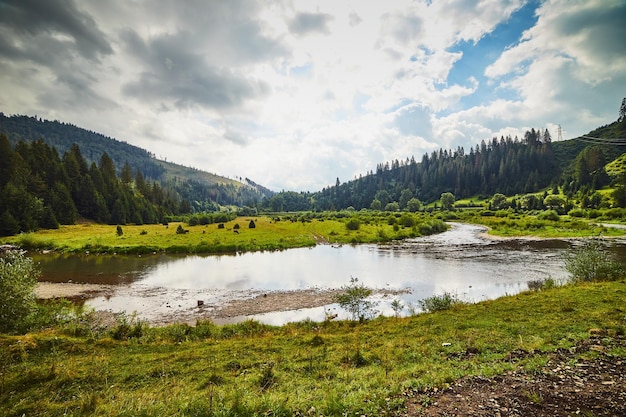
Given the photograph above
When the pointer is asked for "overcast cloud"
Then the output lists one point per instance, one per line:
(294, 94)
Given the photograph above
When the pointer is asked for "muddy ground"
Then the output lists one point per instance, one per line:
(584, 381)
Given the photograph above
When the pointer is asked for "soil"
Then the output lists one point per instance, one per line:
(47, 290)
(586, 380)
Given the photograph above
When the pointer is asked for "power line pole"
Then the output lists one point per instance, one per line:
(560, 133)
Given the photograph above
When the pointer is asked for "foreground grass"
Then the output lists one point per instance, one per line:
(330, 368)
(268, 234)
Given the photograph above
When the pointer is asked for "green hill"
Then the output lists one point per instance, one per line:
(202, 189)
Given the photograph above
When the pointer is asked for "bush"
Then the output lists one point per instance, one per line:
(549, 215)
(407, 220)
(576, 213)
(18, 277)
(353, 224)
(441, 302)
(354, 300)
(591, 263)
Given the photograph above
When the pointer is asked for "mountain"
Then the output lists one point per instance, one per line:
(202, 189)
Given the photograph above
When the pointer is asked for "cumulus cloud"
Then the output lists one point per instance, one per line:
(295, 94)
(305, 23)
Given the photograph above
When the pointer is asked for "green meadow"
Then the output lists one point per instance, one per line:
(269, 233)
(306, 368)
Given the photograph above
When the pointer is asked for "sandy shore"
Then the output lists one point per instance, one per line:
(47, 290)
(229, 310)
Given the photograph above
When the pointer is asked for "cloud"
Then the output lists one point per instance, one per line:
(295, 94)
(305, 23)
(173, 72)
(30, 27)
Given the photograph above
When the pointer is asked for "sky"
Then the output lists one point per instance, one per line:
(295, 94)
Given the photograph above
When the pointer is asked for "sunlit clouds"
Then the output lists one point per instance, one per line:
(294, 94)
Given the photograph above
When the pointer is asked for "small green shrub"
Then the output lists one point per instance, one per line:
(354, 300)
(18, 277)
(353, 224)
(591, 262)
(128, 327)
(441, 302)
(549, 215)
(576, 213)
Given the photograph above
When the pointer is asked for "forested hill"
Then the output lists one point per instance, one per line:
(502, 165)
(205, 191)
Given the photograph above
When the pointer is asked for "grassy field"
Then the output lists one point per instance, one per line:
(509, 224)
(329, 368)
(268, 234)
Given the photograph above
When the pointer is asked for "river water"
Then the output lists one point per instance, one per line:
(460, 261)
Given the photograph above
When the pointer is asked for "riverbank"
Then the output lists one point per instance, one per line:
(560, 347)
(246, 304)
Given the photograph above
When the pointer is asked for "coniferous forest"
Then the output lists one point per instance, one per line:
(40, 189)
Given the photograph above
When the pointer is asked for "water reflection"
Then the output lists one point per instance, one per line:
(460, 261)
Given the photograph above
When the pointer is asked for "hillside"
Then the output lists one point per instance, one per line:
(201, 188)
(503, 165)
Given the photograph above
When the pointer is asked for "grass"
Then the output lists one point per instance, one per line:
(329, 368)
(510, 224)
(269, 234)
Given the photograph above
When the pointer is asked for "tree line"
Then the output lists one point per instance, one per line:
(506, 165)
(40, 189)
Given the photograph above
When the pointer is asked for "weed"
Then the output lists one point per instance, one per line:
(542, 284)
(267, 378)
(533, 397)
(128, 327)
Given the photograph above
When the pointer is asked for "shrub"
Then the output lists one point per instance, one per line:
(353, 224)
(354, 300)
(441, 302)
(18, 277)
(549, 215)
(119, 230)
(576, 213)
(591, 263)
(407, 220)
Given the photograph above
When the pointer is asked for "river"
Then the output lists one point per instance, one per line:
(461, 261)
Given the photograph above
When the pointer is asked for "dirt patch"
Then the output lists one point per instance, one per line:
(274, 301)
(47, 290)
(568, 385)
(283, 301)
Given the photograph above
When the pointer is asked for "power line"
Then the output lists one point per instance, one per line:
(602, 141)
